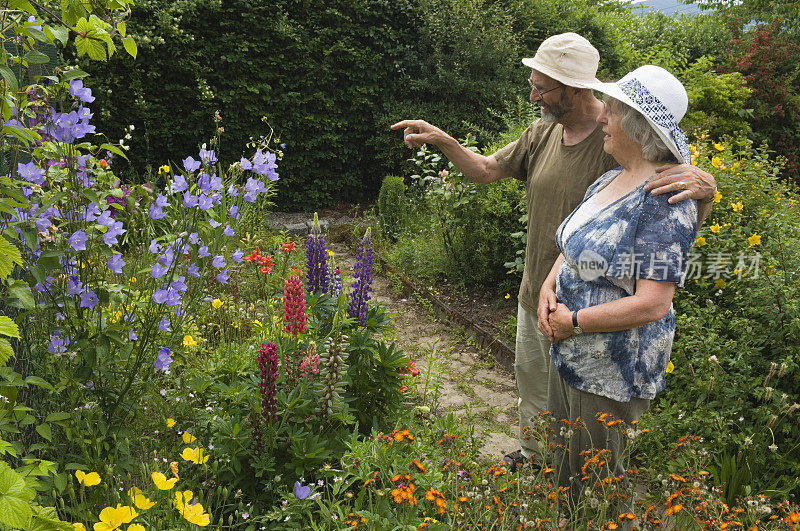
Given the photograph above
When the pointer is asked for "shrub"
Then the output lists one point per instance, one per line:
(392, 206)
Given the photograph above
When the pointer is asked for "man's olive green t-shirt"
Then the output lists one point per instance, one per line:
(556, 178)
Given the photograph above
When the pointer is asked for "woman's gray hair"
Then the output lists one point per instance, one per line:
(638, 129)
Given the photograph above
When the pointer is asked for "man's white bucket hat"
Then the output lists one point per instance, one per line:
(661, 98)
(568, 58)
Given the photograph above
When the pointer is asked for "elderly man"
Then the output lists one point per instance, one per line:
(558, 157)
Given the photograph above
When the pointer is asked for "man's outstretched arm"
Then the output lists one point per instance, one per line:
(476, 167)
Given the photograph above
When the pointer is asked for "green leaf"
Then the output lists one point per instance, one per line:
(113, 149)
(91, 47)
(6, 351)
(121, 28)
(73, 74)
(23, 5)
(45, 431)
(15, 498)
(58, 416)
(36, 57)
(130, 45)
(91, 195)
(26, 135)
(8, 327)
(7, 448)
(60, 33)
(9, 78)
(9, 255)
(19, 290)
(46, 519)
(35, 380)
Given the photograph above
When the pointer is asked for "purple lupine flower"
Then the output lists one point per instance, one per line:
(362, 285)
(228, 231)
(132, 335)
(193, 271)
(163, 359)
(234, 212)
(116, 263)
(191, 165)
(89, 299)
(179, 184)
(335, 281)
(164, 324)
(78, 240)
(218, 262)
(316, 259)
(77, 89)
(268, 367)
(238, 256)
(222, 277)
(31, 173)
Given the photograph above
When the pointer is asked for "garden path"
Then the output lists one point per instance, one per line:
(473, 385)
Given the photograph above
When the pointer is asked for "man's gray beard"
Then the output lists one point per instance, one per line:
(554, 113)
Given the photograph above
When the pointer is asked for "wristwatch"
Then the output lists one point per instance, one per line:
(575, 328)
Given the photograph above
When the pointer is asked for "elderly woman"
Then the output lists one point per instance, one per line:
(607, 303)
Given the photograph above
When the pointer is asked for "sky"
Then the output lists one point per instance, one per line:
(668, 7)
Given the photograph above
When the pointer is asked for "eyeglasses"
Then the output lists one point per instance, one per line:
(541, 93)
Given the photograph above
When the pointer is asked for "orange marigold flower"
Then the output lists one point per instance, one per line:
(676, 477)
(675, 509)
(418, 465)
(611, 525)
(703, 473)
(628, 516)
(601, 417)
(463, 498)
(613, 422)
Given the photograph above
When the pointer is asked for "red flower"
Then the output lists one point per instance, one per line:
(266, 262)
(252, 257)
(289, 247)
(294, 306)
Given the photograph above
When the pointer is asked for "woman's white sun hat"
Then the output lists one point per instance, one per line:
(661, 98)
(568, 58)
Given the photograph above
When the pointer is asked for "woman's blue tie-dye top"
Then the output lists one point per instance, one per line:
(639, 235)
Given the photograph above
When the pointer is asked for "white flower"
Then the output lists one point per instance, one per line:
(245, 515)
(773, 447)
(713, 359)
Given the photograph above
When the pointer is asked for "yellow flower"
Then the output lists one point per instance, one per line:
(670, 367)
(718, 147)
(140, 500)
(170, 422)
(111, 518)
(163, 169)
(195, 514)
(718, 197)
(216, 303)
(714, 228)
(330, 253)
(508, 295)
(755, 239)
(79, 526)
(173, 466)
(136, 527)
(720, 283)
(716, 162)
(188, 341)
(257, 322)
(700, 241)
(737, 207)
(188, 437)
(161, 481)
(90, 480)
(195, 455)
(133, 280)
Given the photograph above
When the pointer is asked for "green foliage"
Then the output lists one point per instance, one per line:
(735, 382)
(716, 101)
(392, 206)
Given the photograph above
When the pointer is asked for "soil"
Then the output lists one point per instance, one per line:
(473, 385)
